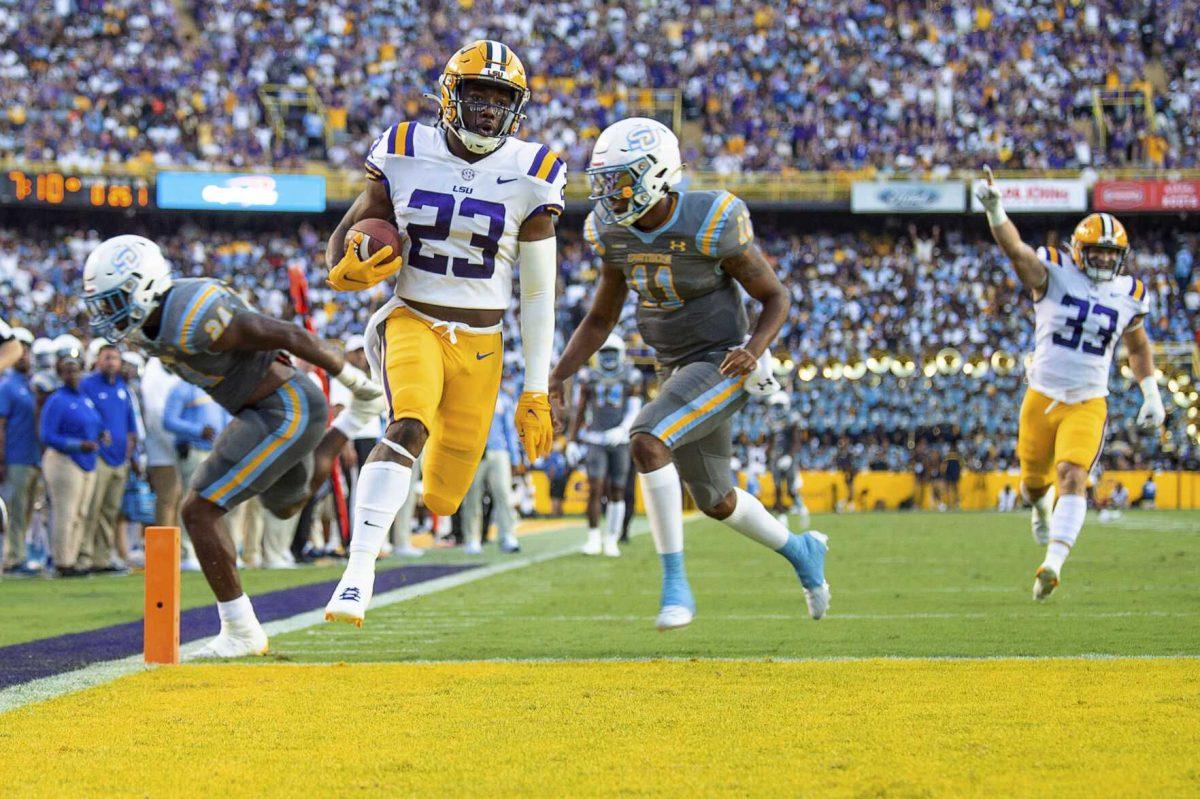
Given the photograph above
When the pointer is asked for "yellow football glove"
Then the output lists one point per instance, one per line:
(352, 274)
(535, 427)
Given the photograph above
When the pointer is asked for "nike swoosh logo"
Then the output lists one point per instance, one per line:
(481, 356)
(368, 524)
(506, 180)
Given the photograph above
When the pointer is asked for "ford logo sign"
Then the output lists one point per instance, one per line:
(908, 197)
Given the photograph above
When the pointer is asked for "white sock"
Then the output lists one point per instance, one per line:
(236, 610)
(752, 519)
(1065, 525)
(615, 518)
(382, 489)
(664, 508)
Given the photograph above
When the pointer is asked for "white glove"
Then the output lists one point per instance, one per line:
(361, 386)
(1152, 414)
(574, 453)
(988, 194)
(761, 382)
(616, 436)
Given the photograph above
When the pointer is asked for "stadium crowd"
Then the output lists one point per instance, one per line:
(771, 86)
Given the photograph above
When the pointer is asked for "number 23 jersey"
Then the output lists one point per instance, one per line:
(462, 218)
(1079, 323)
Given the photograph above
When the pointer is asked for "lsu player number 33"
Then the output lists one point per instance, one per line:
(688, 256)
(474, 201)
(1084, 303)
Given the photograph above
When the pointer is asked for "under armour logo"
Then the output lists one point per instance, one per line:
(678, 245)
(351, 594)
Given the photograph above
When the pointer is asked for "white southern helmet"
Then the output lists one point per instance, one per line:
(43, 353)
(635, 162)
(93, 352)
(123, 280)
(67, 346)
(611, 356)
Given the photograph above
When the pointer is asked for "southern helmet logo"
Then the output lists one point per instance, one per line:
(125, 259)
(641, 139)
(678, 245)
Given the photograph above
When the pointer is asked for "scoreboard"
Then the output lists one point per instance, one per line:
(51, 189)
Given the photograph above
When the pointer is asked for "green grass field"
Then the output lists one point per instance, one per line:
(935, 674)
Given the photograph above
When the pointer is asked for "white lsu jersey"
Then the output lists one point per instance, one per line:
(462, 218)
(1079, 323)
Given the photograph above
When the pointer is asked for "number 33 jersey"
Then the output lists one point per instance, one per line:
(1079, 323)
(462, 218)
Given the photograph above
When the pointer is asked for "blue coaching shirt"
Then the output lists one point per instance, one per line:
(115, 405)
(69, 418)
(17, 409)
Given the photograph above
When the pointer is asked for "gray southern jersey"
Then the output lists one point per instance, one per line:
(195, 314)
(608, 397)
(688, 306)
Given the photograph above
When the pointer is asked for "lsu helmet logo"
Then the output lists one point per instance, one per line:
(641, 139)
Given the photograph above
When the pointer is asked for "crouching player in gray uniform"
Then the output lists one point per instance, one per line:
(685, 255)
(276, 448)
(610, 397)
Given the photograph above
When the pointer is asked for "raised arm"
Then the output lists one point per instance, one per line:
(751, 269)
(1030, 269)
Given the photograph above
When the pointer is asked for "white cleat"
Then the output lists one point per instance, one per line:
(672, 617)
(1040, 521)
(594, 545)
(350, 600)
(611, 548)
(818, 600)
(408, 552)
(472, 549)
(1044, 582)
(236, 640)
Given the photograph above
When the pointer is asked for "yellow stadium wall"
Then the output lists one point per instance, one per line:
(977, 490)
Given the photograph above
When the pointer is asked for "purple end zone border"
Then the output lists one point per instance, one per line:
(32, 660)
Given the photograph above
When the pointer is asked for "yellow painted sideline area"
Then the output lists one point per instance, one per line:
(1055, 727)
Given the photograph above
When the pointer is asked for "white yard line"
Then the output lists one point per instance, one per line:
(107, 671)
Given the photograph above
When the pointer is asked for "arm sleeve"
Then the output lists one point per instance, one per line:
(376, 160)
(726, 230)
(173, 418)
(48, 428)
(591, 234)
(549, 184)
(539, 272)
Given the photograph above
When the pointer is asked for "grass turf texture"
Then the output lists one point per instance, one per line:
(42, 608)
(861, 728)
(915, 585)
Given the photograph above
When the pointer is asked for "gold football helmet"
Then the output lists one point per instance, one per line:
(1100, 246)
(482, 123)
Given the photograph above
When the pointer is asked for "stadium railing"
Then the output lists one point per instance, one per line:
(788, 186)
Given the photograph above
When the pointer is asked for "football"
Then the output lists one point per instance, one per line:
(377, 234)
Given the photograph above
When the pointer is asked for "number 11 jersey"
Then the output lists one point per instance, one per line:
(1079, 322)
(462, 218)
